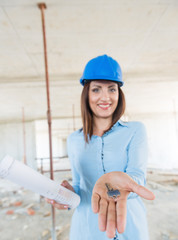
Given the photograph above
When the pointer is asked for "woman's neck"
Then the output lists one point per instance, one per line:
(101, 125)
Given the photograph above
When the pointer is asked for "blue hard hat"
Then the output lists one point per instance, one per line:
(104, 68)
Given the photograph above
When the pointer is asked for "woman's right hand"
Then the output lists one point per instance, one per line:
(67, 185)
(113, 212)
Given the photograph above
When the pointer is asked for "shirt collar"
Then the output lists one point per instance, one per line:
(122, 123)
(119, 122)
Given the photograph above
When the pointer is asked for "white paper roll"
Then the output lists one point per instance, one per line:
(28, 178)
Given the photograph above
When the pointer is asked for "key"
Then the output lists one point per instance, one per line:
(111, 192)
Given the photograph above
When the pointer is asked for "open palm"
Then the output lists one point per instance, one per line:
(112, 212)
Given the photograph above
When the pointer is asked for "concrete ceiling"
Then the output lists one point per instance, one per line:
(141, 34)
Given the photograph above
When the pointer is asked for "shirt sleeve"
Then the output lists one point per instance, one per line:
(137, 157)
(75, 175)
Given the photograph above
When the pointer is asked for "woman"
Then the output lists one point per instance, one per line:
(107, 155)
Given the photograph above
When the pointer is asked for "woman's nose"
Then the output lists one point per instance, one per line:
(105, 95)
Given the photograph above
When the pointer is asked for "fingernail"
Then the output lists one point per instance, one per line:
(66, 207)
(51, 201)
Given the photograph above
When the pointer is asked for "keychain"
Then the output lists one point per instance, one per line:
(111, 192)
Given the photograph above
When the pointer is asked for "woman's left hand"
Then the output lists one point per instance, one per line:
(112, 212)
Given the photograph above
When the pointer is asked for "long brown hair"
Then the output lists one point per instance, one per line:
(87, 115)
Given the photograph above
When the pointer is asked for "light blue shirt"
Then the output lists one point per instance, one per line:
(122, 148)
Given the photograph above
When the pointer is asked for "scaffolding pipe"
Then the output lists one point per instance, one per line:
(42, 6)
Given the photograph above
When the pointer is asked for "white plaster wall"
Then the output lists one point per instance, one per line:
(162, 139)
(42, 145)
(62, 143)
(11, 142)
(61, 128)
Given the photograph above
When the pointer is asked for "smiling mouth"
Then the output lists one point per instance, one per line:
(104, 106)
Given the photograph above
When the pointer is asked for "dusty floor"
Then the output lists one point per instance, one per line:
(24, 217)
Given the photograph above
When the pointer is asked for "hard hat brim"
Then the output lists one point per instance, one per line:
(83, 81)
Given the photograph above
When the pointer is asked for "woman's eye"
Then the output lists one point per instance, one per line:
(95, 90)
(112, 90)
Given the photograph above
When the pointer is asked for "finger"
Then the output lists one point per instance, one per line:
(142, 191)
(47, 200)
(102, 217)
(50, 201)
(111, 220)
(95, 202)
(57, 205)
(67, 185)
(64, 183)
(60, 206)
(121, 209)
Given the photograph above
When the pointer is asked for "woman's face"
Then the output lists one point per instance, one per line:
(103, 98)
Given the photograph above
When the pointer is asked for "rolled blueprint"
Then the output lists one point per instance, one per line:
(28, 178)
